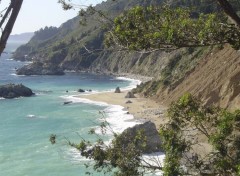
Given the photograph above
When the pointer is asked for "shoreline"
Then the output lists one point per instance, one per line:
(134, 77)
(142, 109)
(121, 115)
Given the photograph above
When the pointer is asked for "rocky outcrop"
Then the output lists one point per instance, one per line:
(130, 95)
(148, 129)
(14, 91)
(81, 90)
(117, 90)
(38, 68)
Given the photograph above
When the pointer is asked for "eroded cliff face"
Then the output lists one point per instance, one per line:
(146, 64)
(210, 74)
(215, 80)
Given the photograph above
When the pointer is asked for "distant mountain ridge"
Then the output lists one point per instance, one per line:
(21, 37)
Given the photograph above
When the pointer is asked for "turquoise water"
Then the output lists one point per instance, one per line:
(27, 123)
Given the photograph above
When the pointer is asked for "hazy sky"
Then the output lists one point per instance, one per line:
(36, 14)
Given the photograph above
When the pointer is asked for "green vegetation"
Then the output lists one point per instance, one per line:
(151, 28)
(189, 122)
(84, 47)
(179, 65)
(123, 157)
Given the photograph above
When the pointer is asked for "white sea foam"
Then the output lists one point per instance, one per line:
(73, 155)
(14, 74)
(115, 115)
(75, 99)
(154, 159)
(118, 120)
(133, 83)
(31, 116)
(70, 71)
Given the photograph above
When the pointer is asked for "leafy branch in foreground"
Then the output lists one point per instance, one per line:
(86, 11)
(197, 140)
(7, 21)
(154, 28)
(123, 156)
(190, 126)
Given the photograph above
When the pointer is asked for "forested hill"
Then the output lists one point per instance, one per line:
(78, 47)
(69, 42)
(69, 45)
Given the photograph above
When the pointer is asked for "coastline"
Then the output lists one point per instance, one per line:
(142, 109)
(121, 115)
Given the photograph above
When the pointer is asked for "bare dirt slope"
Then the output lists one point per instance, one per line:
(215, 80)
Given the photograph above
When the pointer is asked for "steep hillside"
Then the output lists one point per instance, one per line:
(80, 48)
(209, 73)
(215, 80)
(73, 46)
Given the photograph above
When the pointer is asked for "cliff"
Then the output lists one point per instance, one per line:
(14, 91)
(215, 80)
(210, 73)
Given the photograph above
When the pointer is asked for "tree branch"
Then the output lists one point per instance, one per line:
(228, 9)
(15, 6)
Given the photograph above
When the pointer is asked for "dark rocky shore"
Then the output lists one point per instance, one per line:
(153, 141)
(15, 91)
(38, 68)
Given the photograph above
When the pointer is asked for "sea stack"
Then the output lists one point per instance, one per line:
(15, 91)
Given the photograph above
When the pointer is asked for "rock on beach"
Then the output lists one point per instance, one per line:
(153, 141)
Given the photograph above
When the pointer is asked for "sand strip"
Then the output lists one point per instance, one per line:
(140, 108)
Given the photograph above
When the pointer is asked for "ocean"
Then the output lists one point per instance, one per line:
(27, 123)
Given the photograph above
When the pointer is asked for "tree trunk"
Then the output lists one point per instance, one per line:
(228, 9)
(15, 6)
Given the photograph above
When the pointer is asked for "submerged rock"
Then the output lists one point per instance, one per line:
(81, 90)
(14, 91)
(39, 68)
(67, 102)
(153, 141)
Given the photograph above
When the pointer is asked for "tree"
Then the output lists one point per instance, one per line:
(153, 28)
(9, 17)
(228, 9)
(167, 28)
(122, 157)
(189, 122)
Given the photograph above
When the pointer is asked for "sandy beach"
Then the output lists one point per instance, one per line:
(140, 108)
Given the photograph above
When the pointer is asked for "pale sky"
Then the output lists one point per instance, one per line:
(36, 14)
